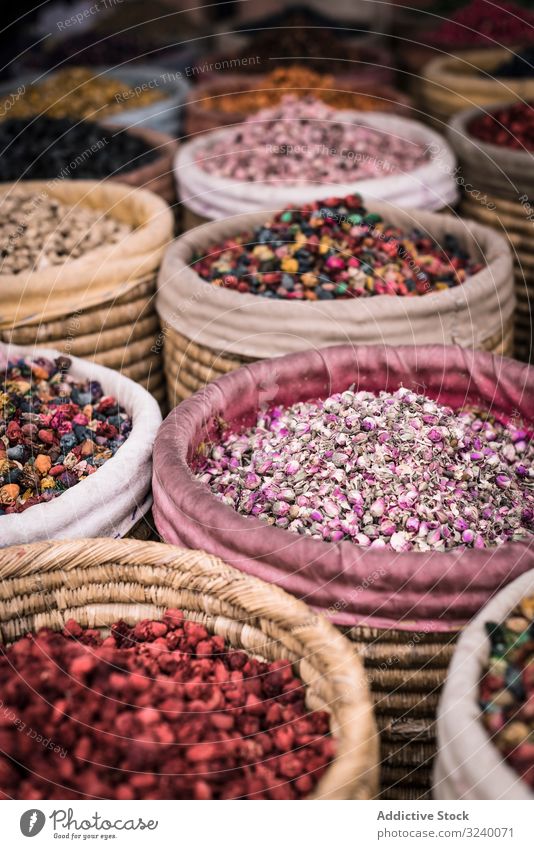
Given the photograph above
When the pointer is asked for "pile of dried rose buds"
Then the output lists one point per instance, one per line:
(507, 689)
(161, 710)
(394, 470)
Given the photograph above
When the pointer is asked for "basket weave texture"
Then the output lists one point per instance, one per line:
(99, 581)
(189, 367)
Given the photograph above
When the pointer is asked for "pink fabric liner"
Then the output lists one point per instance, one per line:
(426, 591)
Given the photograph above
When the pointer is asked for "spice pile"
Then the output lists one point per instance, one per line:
(162, 710)
(510, 126)
(507, 689)
(484, 23)
(54, 431)
(79, 93)
(42, 148)
(37, 231)
(394, 470)
(270, 89)
(305, 141)
(334, 249)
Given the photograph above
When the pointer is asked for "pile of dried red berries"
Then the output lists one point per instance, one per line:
(54, 431)
(161, 710)
(510, 126)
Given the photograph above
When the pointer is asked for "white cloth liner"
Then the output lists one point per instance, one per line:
(469, 765)
(112, 500)
(252, 326)
(430, 186)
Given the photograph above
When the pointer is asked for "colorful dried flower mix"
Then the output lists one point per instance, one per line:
(160, 710)
(334, 249)
(389, 470)
(55, 431)
(507, 689)
(305, 141)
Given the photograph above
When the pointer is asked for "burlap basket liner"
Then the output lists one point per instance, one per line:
(100, 581)
(430, 185)
(469, 765)
(402, 606)
(209, 329)
(453, 83)
(113, 501)
(508, 174)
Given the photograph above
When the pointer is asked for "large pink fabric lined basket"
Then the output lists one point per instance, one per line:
(408, 591)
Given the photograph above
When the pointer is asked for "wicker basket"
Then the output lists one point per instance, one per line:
(505, 176)
(509, 216)
(452, 83)
(100, 306)
(406, 671)
(99, 581)
(469, 765)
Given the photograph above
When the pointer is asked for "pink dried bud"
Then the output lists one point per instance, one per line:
(399, 542)
(280, 508)
(377, 508)
(291, 468)
(252, 481)
(412, 524)
(387, 528)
